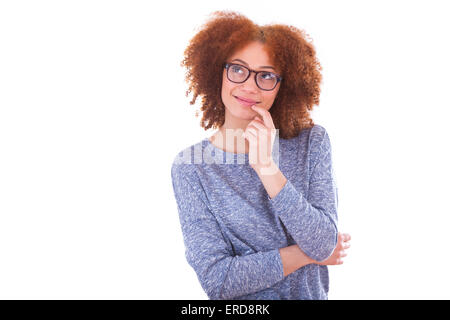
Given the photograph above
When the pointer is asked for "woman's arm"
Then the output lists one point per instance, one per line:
(222, 274)
(339, 251)
(311, 222)
(293, 258)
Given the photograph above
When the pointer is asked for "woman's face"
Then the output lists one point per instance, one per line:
(255, 58)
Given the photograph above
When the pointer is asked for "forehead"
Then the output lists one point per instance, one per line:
(254, 53)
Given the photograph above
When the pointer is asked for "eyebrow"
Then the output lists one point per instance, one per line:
(247, 64)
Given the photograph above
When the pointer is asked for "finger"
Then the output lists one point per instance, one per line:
(267, 118)
(342, 254)
(252, 130)
(258, 125)
(346, 237)
(250, 134)
(258, 119)
(346, 245)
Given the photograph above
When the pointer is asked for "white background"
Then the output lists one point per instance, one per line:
(93, 111)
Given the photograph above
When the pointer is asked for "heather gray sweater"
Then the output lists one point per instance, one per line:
(233, 231)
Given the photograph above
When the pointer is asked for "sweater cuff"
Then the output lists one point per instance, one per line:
(286, 199)
(278, 264)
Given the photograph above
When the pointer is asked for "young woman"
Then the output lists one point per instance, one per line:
(265, 227)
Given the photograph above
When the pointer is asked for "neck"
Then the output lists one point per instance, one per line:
(231, 140)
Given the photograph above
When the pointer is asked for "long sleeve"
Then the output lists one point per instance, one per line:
(222, 274)
(312, 222)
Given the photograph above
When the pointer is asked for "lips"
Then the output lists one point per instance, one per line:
(246, 100)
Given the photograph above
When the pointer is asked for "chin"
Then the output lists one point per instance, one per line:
(243, 114)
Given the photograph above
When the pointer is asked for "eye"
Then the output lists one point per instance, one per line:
(237, 69)
(268, 76)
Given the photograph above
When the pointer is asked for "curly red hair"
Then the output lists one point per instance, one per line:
(289, 50)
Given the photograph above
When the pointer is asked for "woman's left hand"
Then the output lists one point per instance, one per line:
(339, 251)
(260, 133)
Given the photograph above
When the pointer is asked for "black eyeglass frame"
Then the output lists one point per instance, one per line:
(227, 65)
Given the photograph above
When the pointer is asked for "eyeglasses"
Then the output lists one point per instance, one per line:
(264, 80)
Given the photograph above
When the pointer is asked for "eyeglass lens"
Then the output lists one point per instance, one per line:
(265, 80)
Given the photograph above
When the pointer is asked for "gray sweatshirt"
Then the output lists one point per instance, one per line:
(233, 230)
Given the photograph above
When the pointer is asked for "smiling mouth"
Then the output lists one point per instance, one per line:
(246, 102)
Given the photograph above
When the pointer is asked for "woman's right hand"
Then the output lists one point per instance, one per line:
(343, 243)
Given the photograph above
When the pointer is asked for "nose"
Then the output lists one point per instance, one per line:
(250, 84)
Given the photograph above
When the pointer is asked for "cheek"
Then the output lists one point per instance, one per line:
(269, 98)
(226, 92)
(225, 85)
(227, 89)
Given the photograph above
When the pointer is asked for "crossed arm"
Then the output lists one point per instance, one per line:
(222, 274)
(293, 258)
